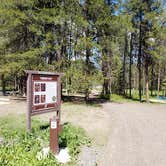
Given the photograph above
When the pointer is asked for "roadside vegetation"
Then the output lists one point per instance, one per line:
(22, 148)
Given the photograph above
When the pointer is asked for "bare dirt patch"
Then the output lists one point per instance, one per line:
(93, 119)
(12, 107)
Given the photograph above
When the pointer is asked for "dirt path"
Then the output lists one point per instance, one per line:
(138, 136)
(9, 106)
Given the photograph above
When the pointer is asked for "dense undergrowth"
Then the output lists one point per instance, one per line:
(21, 148)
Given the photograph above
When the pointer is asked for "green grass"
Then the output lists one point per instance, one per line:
(135, 98)
(21, 148)
(119, 98)
(7, 88)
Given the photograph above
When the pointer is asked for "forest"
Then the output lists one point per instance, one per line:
(117, 46)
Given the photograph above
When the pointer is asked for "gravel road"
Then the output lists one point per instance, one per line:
(137, 137)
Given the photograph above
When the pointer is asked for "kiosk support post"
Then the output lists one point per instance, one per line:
(29, 102)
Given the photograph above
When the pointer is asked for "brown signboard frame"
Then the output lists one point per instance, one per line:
(42, 76)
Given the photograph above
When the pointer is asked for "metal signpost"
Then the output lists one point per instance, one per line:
(44, 95)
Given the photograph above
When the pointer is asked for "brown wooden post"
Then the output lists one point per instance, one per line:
(59, 126)
(59, 95)
(54, 146)
(29, 101)
(59, 103)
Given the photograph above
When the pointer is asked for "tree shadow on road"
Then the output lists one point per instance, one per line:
(93, 101)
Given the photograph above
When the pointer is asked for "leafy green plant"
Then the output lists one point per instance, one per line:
(21, 148)
(73, 137)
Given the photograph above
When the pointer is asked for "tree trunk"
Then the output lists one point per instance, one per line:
(147, 82)
(87, 68)
(106, 69)
(152, 79)
(139, 60)
(3, 85)
(158, 81)
(107, 85)
(130, 72)
(143, 82)
(124, 64)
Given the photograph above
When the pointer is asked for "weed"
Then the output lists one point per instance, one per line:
(21, 148)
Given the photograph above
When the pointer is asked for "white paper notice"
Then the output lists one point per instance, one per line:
(51, 92)
(45, 92)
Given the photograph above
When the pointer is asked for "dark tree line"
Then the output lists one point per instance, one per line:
(117, 46)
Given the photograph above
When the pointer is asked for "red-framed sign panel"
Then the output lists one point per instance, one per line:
(43, 93)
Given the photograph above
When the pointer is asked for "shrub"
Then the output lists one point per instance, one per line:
(21, 148)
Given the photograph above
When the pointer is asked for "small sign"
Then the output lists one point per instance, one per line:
(53, 125)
